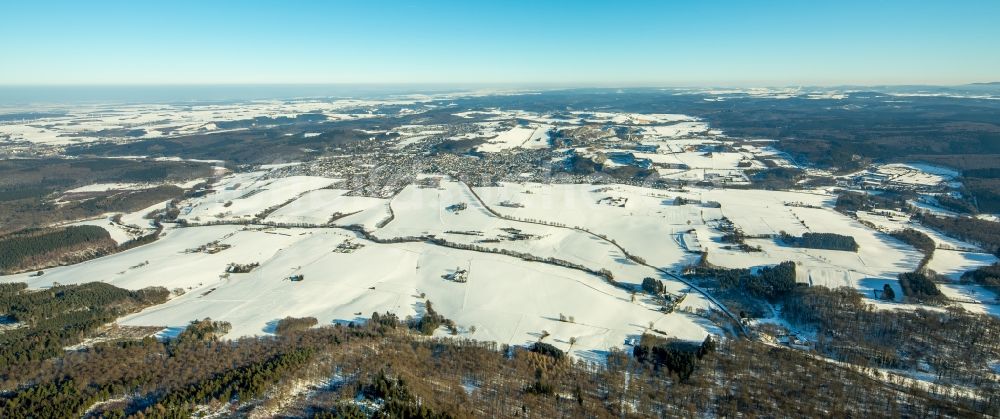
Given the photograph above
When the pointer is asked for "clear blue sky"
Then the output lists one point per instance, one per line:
(519, 42)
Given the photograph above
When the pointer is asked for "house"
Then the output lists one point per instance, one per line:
(460, 275)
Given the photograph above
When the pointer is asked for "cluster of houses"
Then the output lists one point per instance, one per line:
(347, 246)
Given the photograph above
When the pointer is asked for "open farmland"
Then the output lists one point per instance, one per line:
(430, 231)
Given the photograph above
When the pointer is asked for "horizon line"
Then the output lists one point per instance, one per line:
(677, 85)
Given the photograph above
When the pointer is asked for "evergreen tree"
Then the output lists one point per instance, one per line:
(887, 293)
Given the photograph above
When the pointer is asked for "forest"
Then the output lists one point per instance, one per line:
(249, 146)
(290, 325)
(771, 282)
(920, 287)
(48, 320)
(768, 283)
(28, 188)
(983, 185)
(828, 241)
(383, 369)
(676, 356)
(33, 249)
(44, 247)
(980, 232)
(987, 276)
(959, 205)
(955, 345)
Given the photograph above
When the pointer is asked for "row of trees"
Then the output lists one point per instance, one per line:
(920, 241)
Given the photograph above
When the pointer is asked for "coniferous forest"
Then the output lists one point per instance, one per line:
(40, 247)
(828, 241)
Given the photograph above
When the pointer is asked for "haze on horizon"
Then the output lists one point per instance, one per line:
(560, 43)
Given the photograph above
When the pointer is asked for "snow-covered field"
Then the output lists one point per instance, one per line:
(952, 257)
(319, 206)
(246, 195)
(504, 297)
(104, 187)
(680, 129)
(917, 174)
(514, 137)
(651, 225)
(647, 224)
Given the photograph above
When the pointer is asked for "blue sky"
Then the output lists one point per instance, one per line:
(586, 43)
